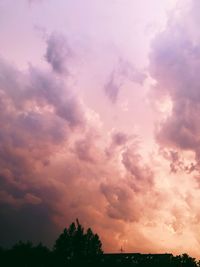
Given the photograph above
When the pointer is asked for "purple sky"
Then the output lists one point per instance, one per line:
(99, 119)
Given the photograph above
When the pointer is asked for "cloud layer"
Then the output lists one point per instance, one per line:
(65, 153)
(55, 161)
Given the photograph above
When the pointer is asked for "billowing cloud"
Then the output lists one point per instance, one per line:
(38, 113)
(174, 64)
(67, 152)
(54, 159)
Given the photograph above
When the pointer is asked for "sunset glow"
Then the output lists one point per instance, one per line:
(99, 120)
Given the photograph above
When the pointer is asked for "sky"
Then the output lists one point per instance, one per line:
(99, 120)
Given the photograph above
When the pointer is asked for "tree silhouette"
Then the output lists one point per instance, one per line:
(188, 261)
(24, 254)
(92, 244)
(74, 245)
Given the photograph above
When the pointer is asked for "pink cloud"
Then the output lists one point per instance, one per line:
(51, 159)
(58, 53)
(123, 71)
(59, 162)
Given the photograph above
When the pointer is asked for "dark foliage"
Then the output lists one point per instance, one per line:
(76, 247)
(26, 255)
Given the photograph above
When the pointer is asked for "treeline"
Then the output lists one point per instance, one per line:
(76, 247)
(149, 260)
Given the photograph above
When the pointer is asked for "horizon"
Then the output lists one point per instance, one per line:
(99, 119)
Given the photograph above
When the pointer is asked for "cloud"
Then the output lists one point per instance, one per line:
(38, 116)
(58, 53)
(177, 161)
(54, 162)
(59, 161)
(142, 175)
(123, 71)
(119, 138)
(118, 142)
(86, 149)
(121, 204)
(174, 64)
